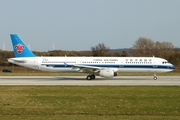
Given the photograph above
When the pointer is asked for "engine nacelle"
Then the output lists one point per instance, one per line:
(107, 73)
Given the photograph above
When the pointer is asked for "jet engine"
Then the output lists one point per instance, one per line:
(107, 73)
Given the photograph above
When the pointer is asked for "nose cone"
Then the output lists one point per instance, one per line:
(172, 67)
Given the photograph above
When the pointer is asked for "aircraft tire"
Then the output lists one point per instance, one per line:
(93, 76)
(88, 77)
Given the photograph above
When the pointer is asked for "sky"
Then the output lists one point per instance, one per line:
(80, 24)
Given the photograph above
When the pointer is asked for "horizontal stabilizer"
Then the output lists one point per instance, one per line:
(12, 60)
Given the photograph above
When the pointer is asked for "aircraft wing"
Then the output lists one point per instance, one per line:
(84, 68)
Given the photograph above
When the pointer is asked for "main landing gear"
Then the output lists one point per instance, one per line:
(90, 77)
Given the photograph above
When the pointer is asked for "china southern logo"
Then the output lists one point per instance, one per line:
(19, 48)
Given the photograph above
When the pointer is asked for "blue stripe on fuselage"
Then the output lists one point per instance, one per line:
(112, 66)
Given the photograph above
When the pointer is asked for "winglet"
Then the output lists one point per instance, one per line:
(20, 48)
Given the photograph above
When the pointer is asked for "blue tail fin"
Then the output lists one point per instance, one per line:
(20, 48)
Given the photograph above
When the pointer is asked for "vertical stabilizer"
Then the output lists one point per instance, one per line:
(20, 48)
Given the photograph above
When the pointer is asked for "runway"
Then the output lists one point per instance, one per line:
(80, 80)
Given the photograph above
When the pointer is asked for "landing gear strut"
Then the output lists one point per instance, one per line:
(155, 77)
(89, 77)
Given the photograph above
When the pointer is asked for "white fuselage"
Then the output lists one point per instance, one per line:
(117, 64)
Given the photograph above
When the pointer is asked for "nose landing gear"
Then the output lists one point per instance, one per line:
(155, 77)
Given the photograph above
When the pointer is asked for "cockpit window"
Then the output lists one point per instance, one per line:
(165, 62)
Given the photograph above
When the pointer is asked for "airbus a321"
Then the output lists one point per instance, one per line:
(103, 66)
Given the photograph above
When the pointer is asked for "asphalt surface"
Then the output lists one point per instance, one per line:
(81, 80)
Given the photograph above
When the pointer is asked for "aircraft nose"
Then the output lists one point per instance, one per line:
(172, 66)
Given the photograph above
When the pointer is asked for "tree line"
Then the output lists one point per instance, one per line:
(143, 47)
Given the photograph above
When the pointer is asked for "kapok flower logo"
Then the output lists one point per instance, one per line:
(19, 48)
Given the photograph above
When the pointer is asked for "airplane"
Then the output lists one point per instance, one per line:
(107, 67)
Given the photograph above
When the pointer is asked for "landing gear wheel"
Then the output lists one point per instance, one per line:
(88, 77)
(93, 76)
(155, 78)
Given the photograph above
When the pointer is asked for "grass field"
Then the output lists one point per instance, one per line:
(89, 102)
